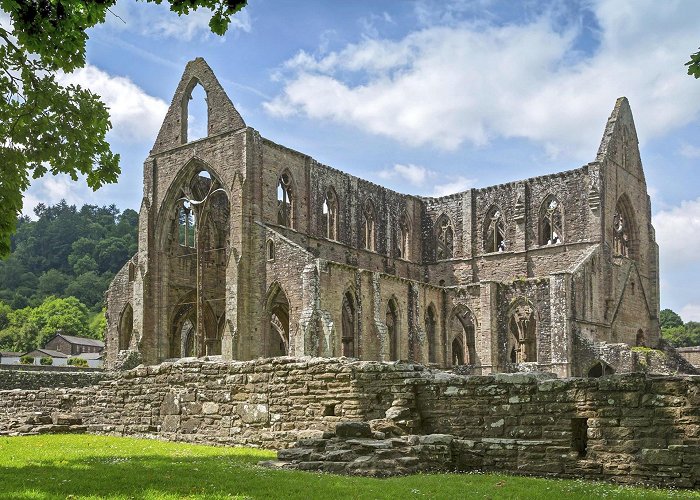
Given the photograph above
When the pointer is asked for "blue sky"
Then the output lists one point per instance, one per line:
(425, 97)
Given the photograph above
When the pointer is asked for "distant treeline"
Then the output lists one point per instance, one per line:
(66, 252)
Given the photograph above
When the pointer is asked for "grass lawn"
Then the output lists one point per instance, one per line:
(85, 466)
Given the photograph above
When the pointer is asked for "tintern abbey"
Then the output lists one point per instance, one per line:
(249, 249)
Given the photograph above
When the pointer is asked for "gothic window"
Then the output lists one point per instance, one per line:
(330, 215)
(445, 238)
(277, 342)
(392, 326)
(460, 327)
(621, 238)
(551, 229)
(349, 326)
(430, 333)
(522, 343)
(186, 224)
(457, 352)
(369, 226)
(270, 250)
(285, 200)
(404, 237)
(494, 231)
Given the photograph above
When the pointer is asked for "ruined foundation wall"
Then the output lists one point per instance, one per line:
(626, 428)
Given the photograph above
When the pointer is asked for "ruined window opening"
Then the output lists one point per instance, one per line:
(461, 327)
(641, 340)
(270, 250)
(187, 225)
(285, 200)
(330, 215)
(278, 330)
(349, 326)
(494, 232)
(430, 323)
(551, 229)
(369, 226)
(392, 320)
(632, 290)
(126, 327)
(623, 229)
(522, 342)
(196, 114)
(457, 352)
(404, 237)
(579, 436)
(599, 369)
(445, 238)
(132, 272)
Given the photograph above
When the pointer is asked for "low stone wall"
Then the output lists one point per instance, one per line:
(691, 354)
(36, 377)
(624, 428)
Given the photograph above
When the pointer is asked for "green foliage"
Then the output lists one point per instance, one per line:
(98, 325)
(78, 362)
(669, 319)
(87, 466)
(26, 360)
(694, 65)
(49, 128)
(46, 361)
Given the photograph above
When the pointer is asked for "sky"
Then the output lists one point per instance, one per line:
(427, 98)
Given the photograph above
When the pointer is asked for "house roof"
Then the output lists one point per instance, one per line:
(47, 352)
(90, 355)
(9, 354)
(80, 340)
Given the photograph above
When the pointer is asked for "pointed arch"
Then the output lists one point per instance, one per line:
(444, 238)
(551, 221)
(494, 232)
(393, 328)
(195, 123)
(599, 369)
(522, 333)
(462, 336)
(403, 238)
(126, 326)
(369, 217)
(329, 214)
(431, 332)
(349, 326)
(276, 340)
(285, 199)
(625, 241)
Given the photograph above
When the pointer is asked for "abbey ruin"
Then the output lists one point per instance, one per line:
(249, 249)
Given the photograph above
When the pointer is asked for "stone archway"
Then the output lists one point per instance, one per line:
(277, 333)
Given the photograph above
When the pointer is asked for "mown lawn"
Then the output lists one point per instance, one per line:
(84, 466)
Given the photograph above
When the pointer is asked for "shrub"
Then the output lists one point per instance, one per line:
(26, 360)
(46, 360)
(78, 362)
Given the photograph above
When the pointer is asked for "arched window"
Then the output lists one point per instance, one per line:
(430, 327)
(457, 352)
(522, 341)
(349, 326)
(270, 250)
(330, 215)
(599, 369)
(187, 225)
(285, 200)
(461, 327)
(392, 326)
(126, 327)
(404, 237)
(623, 229)
(494, 231)
(277, 342)
(369, 226)
(194, 109)
(551, 229)
(445, 238)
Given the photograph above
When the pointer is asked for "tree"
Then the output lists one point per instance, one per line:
(694, 65)
(669, 319)
(44, 126)
(69, 316)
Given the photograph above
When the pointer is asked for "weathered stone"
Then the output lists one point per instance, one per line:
(353, 430)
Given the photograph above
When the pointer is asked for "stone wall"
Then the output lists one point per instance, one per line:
(35, 377)
(625, 428)
(691, 354)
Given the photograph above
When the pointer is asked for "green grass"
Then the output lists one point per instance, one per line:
(85, 466)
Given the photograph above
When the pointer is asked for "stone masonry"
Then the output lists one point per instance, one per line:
(375, 418)
(249, 249)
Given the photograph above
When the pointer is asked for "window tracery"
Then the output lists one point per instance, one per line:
(551, 229)
(495, 232)
(404, 237)
(621, 238)
(369, 226)
(522, 344)
(445, 238)
(285, 200)
(330, 215)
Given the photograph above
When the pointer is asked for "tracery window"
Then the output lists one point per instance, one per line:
(186, 225)
(445, 238)
(522, 342)
(330, 215)
(285, 200)
(551, 230)
(369, 226)
(494, 232)
(621, 236)
(404, 238)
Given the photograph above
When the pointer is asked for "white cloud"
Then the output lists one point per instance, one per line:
(690, 312)
(51, 189)
(135, 115)
(413, 174)
(456, 185)
(690, 151)
(678, 235)
(455, 83)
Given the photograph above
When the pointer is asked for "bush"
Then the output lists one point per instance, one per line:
(78, 362)
(26, 360)
(46, 360)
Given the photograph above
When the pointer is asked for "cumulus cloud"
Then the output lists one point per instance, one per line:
(413, 174)
(455, 185)
(678, 235)
(448, 84)
(135, 115)
(51, 189)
